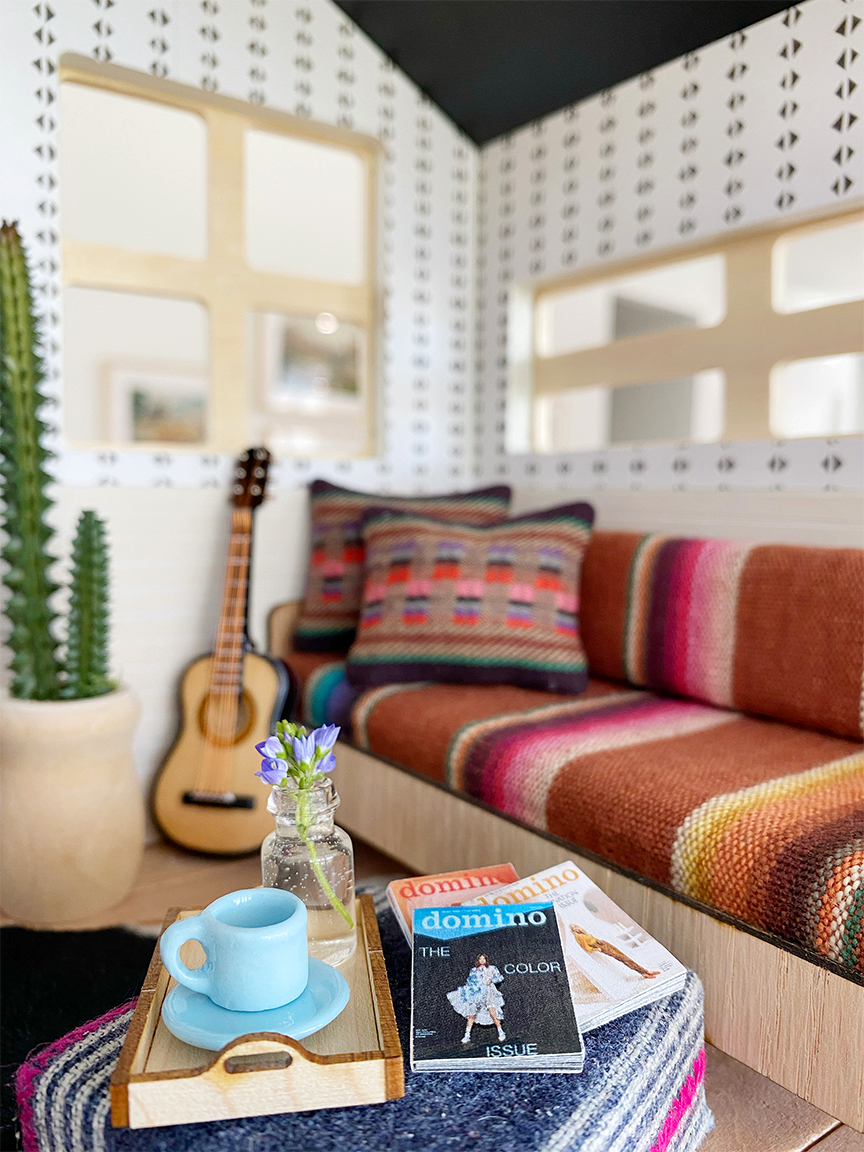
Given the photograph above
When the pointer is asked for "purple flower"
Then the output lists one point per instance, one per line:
(327, 764)
(272, 771)
(271, 748)
(325, 737)
(304, 748)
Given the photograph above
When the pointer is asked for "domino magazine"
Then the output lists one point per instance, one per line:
(490, 992)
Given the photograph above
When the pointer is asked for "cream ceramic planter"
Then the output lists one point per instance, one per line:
(71, 809)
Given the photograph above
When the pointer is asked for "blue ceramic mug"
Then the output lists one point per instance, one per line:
(257, 955)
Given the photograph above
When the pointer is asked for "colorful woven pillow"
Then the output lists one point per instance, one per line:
(495, 605)
(328, 618)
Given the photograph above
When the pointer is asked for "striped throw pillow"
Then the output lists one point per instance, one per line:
(328, 618)
(494, 605)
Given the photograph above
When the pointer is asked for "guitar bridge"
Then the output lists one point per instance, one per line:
(218, 799)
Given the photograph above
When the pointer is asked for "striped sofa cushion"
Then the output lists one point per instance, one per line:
(761, 820)
(771, 629)
(331, 607)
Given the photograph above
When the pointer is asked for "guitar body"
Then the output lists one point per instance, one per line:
(224, 810)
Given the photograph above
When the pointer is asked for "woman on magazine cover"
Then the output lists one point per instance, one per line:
(589, 943)
(478, 999)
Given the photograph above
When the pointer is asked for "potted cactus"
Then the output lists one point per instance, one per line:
(71, 810)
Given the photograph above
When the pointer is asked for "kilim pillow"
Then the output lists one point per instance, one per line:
(495, 605)
(328, 618)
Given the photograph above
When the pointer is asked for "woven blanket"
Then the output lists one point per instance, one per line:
(641, 1091)
(764, 821)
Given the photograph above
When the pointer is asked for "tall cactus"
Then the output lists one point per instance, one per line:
(87, 641)
(35, 668)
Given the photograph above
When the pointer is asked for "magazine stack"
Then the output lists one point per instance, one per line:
(613, 965)
(490, 990)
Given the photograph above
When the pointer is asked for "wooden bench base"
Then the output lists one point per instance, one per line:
(800, 1025)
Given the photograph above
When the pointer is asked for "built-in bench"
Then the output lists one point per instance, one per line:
(711, 779)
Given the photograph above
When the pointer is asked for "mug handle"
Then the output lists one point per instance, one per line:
(173, 938)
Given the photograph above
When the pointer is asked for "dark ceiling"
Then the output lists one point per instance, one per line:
(494, 65)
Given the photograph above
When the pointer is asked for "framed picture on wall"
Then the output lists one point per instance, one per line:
(309, 384)
(156, 402)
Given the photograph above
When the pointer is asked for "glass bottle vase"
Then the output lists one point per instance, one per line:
(305, 849)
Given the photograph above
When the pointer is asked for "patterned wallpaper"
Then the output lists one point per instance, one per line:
(766, 123)
(309, 59)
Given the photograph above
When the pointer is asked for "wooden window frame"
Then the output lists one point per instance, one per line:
(222, 281)
(750, 341)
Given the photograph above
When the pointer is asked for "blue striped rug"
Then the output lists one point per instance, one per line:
(642, 1090)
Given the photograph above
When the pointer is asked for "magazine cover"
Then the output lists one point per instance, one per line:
(490, 991)
(444, 888)
(613, 965)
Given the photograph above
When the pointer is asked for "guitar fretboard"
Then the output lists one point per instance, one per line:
(226, 668)
(228, 652)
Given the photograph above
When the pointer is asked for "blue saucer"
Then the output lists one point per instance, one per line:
(193, 1017)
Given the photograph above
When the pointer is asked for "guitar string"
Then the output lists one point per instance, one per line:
(231, 667)
(207, 769)
(226, 666)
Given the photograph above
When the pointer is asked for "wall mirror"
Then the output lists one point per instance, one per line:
(219, 270)
(756, 335)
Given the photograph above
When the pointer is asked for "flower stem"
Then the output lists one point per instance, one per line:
(303, 820)
(325, 884)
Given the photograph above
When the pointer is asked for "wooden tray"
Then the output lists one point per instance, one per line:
(357, 1059)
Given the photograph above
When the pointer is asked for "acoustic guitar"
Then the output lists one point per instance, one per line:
(207, 797)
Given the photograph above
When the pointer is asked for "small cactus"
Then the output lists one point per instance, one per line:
(35, 668)
(86, 663)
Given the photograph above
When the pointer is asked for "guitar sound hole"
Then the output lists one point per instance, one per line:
(208, 799)
(242, 726)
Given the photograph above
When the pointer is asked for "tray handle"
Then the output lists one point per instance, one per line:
(258, 1052)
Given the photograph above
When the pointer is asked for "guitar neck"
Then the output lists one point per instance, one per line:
(227, 666)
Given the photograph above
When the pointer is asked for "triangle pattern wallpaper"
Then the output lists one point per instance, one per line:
(764, 123)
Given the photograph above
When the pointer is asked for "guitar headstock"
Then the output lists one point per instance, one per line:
(250, 478)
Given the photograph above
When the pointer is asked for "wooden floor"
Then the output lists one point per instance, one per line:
(752, 1113)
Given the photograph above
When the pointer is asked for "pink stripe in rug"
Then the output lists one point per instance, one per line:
(681, 1105)
(27, 1076)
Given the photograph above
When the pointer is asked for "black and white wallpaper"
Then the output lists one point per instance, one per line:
(766, 123)
(307, 58)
